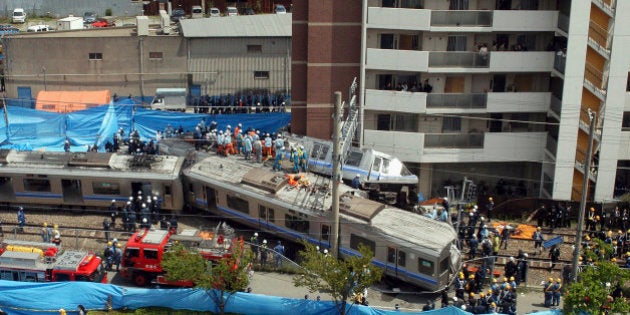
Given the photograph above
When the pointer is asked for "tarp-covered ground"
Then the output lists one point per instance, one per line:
(30, 129)
(47, 298)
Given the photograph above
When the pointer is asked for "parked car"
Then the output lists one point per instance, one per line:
(19, 16)
(178, 14)
(247, 11)
(8, 29)
(280, 9)
(215, 12)
(104, 22)
(89, 17)
(196, 12)
(39, 28)
(231, 11)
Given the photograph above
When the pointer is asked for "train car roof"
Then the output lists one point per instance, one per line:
(91, 164)
(259, 181)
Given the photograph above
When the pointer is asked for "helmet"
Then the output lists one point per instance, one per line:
(538, 228)
(490, 198)
(550, 279)
(489, 291)
(118, 245)
(597, 217)
(113, 200)
(472, 294)
(325, 251)
(511, 278)
(56, 226)
(130, 198)
(144, 220)
(45, 224)
(144, 205)
(264, 241)
(139, 192)
(613, 259)
(493, 304)
(357, 175)
(109, 243)
(482, 294)
(505, 279)
(445, 198)
(592, 209)
(471, 276)
(256, 234)
(494, 280)
(154, 197)
(507, 287)
(558, 280)
(461, 276)
(20, 208)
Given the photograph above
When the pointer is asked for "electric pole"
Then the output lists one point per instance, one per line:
(336, 172)
(587, 172)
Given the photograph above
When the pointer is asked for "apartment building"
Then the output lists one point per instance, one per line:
(511, 86)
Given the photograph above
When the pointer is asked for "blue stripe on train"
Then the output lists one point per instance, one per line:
(346, 251)
(60, 196)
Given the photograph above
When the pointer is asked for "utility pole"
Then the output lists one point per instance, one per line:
(336, 172)
(587, 172)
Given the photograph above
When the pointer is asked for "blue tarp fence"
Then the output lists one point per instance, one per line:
(24, 298)
(30, 129)
(47, 298)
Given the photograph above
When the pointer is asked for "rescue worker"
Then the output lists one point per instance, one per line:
(590, 220)
(538, 240)
(257, 149)
(113, 212)
(66, 146)
(108, 254)
(254, 244)
(117, 256)
(263, 253)
(279, 254)
(557, 292)
(295, 158)
(490, 207)
(248, 147)
(356, 182)
(277, 166)
(106, 226)
(548, 292)
(46, 233)
(21, 219)
(163, 223)
(303, 159)
(460, 285)
(267, 147)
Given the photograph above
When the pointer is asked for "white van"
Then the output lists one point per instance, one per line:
(39, 28)
(170, 99)
(197, 12)
(231, 11)
(19, 16)
(215, 12)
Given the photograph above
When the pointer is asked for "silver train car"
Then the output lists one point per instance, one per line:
(376, 169)
(409, 247)
(88, 179)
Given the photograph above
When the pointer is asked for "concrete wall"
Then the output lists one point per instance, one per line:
(61, 8)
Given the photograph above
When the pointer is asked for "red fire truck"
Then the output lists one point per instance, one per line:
(142, 256)
(44, 262)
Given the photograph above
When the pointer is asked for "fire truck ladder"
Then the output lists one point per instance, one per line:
(349, 126)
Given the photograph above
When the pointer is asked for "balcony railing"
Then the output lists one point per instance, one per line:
(593, 75)
(459, 59)
(599, 35)
(461, 18)
(560, 61)
(556, 105)
(563, 22)
(458, 140)
(457, 100)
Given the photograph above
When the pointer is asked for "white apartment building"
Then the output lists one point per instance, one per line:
(515, 119)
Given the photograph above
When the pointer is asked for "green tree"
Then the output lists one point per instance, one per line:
(592, 292)
(220, 279)
(340, 278)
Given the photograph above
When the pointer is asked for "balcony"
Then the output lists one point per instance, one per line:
(607, 6)
(518, 102)
(459, 147)
(560, 61)
(461, 18)
(399, 19)
(396, 101)
(521, 61)
(519, 20)
(397, 60)
(556, 106)
(551, 145)
(594, 80)
(563, 23)
(458, 59)
(598, 39)
(457, 101)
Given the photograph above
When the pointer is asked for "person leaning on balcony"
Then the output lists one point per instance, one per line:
(483, 51)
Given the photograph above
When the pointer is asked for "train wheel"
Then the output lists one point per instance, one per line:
(140, 279)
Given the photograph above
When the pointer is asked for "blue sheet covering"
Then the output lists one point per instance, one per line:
(30, 129)
(47, 298)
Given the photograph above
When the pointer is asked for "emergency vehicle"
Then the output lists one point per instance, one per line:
(142, 256)
(44, 262)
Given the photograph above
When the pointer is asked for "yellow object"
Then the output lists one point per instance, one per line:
(62, 311)
(550, 279)
(511, 278)
(45, 224)
(472, 294)
(558, 280)
(24, 249)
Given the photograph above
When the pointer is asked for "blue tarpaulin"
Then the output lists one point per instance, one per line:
(30, 129)
(47, 298)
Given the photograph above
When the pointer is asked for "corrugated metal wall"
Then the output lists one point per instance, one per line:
(224, 65)
(62, 8)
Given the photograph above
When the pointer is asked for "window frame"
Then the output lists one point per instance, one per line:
(95, 56)
(261, 75)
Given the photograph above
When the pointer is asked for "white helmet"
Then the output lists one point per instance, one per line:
(113, 200)
(144, 205)
(445, 198)
(264, 241)
(325, 251)
(256, 234)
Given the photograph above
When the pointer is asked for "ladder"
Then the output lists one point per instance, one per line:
(349, 126)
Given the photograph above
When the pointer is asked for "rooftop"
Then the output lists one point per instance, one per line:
(260, 25)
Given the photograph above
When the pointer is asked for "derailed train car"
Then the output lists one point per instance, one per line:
(88, 179)
(407, 246)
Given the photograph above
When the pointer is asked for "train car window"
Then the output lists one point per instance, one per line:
(105, 188)
(150, 254)
(238, 204)
(36, 184)
(402, 258)
(385, 167)
(271, 217)
(354, 158)
(262, 212)
(296, 221)
(62, 277)
(356, 240)
(376, 166)
(391, 255)
(425, 266)
(167, 190)
(325, 232)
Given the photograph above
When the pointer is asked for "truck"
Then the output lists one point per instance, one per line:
(70, 23)
(142, 255)
(173, 99)
(45, 262)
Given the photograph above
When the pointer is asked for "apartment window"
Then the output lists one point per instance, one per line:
(397, 122)
(155, 55)
(254, 48)
(261, 75)
(95, 56)
(451, 124)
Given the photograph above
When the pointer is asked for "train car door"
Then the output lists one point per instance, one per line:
(145, 188)
(397, 259)
(71, 189)
(211, 197)
(266, 217)
(375, 170)
(7, 193)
